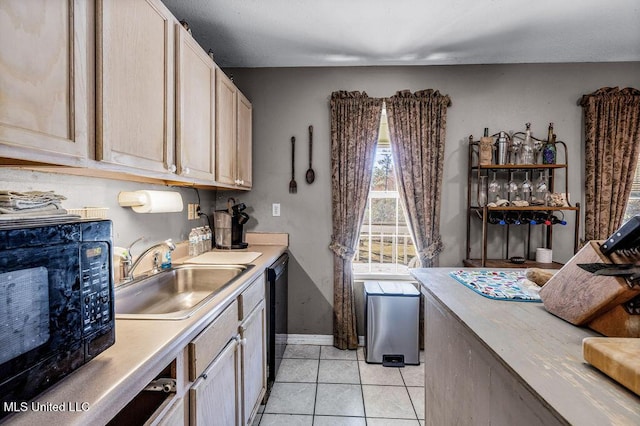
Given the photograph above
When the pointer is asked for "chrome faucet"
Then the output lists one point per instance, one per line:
(129, 268)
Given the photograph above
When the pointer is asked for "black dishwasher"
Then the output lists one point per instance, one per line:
(277, 293)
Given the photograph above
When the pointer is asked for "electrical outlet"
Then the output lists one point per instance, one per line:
(192, 211)
(275, 209)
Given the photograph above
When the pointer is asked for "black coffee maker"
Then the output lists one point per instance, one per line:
(229, 224)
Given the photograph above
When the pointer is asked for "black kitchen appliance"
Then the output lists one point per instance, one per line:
(56, 304)
(229, 226)
(277, 329)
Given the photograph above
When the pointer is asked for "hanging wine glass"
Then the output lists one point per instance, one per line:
(482, 191)
(512, 188)
(494, 188)
(541, 183)
(542, 187)
(526, 187)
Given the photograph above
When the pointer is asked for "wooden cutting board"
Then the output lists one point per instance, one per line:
(617, 357)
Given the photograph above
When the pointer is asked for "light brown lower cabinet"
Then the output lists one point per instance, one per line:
(254, 368)
(228, 368)
(214, 398)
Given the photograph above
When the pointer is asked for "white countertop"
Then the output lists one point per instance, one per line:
(142, 349)
(540, 349)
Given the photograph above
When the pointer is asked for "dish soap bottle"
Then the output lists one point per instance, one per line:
(549, 150)
(166, 260)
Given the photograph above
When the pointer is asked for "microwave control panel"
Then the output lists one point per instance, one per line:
(96, 289)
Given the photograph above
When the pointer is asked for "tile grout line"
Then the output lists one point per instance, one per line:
(315, 400)
(406, 387)
(364, 407)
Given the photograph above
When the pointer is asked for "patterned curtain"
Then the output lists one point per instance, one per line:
(417, 124)
(612, 145)
(355, 119)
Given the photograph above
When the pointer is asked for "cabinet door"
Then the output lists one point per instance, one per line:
(243, 153)
(195, 103)
(135, 84)
(45, 80)
(213, 399)
(176, 416)
(254, 367)
(226, 130)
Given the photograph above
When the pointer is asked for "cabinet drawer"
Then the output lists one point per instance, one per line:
(206, 346)
(250, 298)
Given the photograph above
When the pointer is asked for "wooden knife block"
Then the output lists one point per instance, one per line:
(590, 300)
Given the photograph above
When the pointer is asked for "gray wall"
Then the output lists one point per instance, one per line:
(502, 97)
(286, 101)
(97, 192)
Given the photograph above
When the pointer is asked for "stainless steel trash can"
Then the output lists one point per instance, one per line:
(391, 317)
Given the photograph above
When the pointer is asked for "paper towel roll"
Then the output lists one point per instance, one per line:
(151, 201)
(544, 255)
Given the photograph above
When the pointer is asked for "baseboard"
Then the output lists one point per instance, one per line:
(315, 339)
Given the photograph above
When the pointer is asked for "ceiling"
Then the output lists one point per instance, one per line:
(301, 33)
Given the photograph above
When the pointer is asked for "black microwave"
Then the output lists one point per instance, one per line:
(56, 304)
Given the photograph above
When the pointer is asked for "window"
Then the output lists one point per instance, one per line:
(385, 245)
(633, 204)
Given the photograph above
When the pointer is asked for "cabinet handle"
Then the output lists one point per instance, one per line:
(172, 168)
(243, 341)
(204, 376)
(186, 171)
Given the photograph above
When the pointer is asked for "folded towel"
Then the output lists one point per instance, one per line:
(21, 205)
(15, 201)
(50, 208)
(27, 214)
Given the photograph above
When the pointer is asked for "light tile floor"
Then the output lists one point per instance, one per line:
(325, 386)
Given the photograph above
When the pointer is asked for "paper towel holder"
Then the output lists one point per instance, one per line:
(146, 201)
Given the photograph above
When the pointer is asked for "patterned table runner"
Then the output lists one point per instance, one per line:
(500, 285)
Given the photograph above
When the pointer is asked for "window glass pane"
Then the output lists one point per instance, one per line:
(385, 245)
(633, 204)
(384, 178)
(383, 213)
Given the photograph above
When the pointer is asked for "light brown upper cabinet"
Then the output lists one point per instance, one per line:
(195, 108)
(243, 152)
(46, 79)
(226, 113)
(135, 84)
(233, 134)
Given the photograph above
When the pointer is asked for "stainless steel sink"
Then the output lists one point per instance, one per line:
(175, 294)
